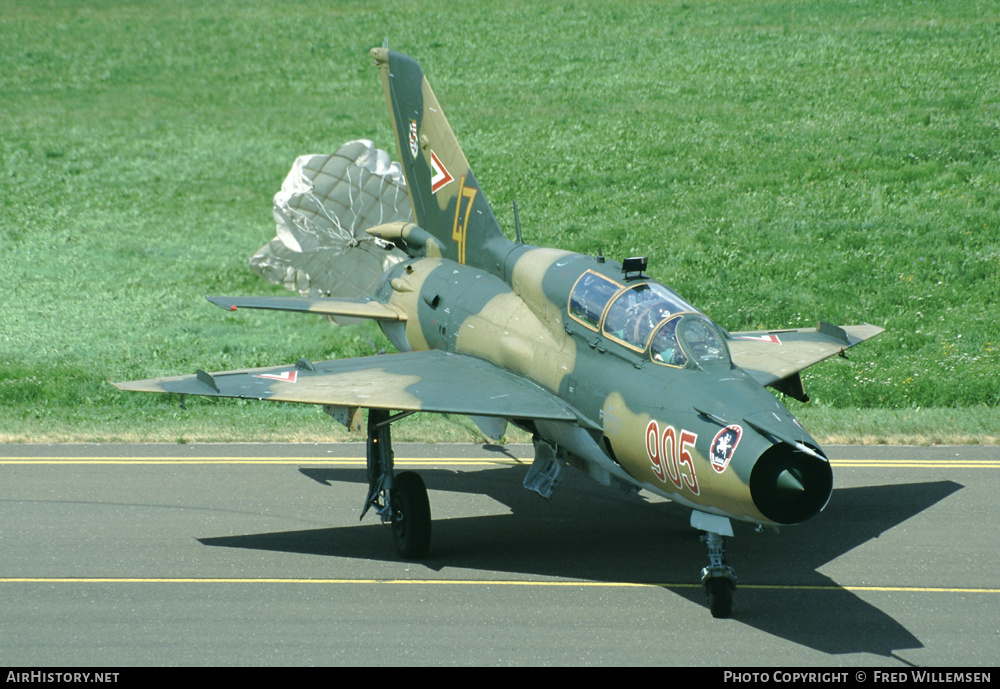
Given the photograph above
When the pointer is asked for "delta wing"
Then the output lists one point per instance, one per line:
(775, 357)
(432, 381)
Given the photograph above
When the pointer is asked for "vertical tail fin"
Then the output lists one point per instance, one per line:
(446, 199)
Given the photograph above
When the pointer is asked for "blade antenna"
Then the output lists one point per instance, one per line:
(517, 224)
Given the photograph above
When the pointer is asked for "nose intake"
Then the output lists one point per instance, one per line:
(789, 486)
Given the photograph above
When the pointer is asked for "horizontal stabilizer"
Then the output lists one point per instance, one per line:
(326, 306)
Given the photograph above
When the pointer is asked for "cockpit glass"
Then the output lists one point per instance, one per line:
(664, 348)
(703, 342)
(590, 295)
(690, 338)
(636, 312)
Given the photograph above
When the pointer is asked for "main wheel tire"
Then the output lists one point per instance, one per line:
(720, 596)
(411, 516)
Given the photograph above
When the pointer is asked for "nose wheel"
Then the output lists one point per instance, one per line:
(718, 578)
(720, 596)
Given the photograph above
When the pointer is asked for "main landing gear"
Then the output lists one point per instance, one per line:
(718, 578)
(400, 499)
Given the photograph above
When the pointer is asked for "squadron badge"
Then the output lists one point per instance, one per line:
(724, 445)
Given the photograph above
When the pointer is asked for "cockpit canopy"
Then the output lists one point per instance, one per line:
(649, 316)
(690, 338)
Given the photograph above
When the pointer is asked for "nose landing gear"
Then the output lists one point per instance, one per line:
(718, 578)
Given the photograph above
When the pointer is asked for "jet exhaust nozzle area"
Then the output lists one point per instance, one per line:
(789, 486)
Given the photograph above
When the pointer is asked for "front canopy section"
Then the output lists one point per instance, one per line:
(690, 340)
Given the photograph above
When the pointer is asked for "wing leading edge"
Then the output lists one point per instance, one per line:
(430, 381)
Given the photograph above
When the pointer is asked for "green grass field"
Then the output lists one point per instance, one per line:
(779, 162)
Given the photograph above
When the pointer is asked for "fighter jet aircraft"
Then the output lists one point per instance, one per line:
(609, 371)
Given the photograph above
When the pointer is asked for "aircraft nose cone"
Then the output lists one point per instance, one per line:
(789, 486)
(788, 481)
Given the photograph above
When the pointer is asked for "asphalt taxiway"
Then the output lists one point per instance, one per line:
(118, 555)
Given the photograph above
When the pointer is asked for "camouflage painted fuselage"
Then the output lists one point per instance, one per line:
(644, 424)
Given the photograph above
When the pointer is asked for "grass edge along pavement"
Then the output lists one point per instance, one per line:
(207, 421)
(780, 162)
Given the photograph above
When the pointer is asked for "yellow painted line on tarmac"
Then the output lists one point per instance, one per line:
(483, 582)
(919, 463)
(329, 461)
(395, 582)
(461, 461)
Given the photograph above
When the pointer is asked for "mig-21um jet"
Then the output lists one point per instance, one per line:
(609, 371)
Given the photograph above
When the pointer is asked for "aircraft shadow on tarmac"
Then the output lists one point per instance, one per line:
(589, 532)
